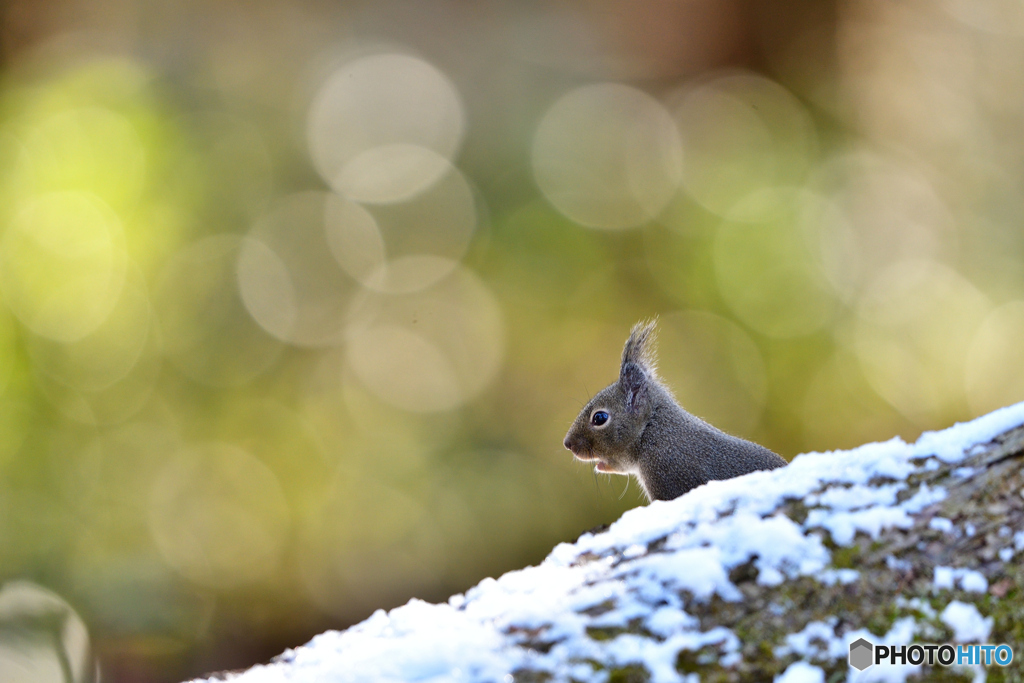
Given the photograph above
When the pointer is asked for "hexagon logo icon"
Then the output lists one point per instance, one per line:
(861, 654)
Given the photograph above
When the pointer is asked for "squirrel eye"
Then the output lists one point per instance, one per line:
(599, 418)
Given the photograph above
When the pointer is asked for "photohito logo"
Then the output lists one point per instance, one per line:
(864, 653)
(861, 654)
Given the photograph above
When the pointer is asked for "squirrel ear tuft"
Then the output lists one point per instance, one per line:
(639, 347)
(633, 381)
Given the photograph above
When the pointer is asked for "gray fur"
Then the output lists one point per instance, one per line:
(639, 347)
(649, 435)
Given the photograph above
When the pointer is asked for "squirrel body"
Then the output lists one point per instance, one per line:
(636, 426)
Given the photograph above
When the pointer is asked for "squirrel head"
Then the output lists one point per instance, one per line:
(608, 428)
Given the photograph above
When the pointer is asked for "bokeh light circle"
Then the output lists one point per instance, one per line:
(218, 516)
(87, 148)
(381, 128)
(108, 353)
(996, 355)
(1000, 17)
(354, 239)
(287, 278)
(430, 350)
(893, 212)
(742, 133)
(76, 394)
(32, 650)
(607, 156)
(62, 264)
(403, 247)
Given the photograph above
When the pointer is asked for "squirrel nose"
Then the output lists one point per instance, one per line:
(567, 444)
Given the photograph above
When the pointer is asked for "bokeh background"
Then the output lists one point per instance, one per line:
(299, 298)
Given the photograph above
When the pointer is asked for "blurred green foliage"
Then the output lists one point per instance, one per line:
(298, 301)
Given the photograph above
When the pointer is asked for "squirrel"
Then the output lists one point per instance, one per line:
(636, 426)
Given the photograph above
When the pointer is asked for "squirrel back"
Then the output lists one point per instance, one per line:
(635, 426)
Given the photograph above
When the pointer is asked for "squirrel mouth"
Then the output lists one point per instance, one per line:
(599, 464)
(585, 456)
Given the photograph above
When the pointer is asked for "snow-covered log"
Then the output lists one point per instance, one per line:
(767, 576)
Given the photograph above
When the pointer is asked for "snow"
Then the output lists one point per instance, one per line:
(943, 579)
(973, 581)
(917, 604)
(969, 579)
(539, 617)
(666, 620)
(801, 672)
(831, 577)
(967, 623)
(816, 640)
